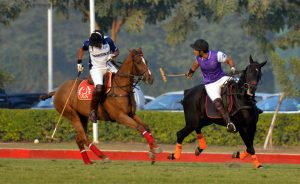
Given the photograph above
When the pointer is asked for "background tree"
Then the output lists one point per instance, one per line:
(273, 23)
(5, 78)
(10, 10)
(112, 15)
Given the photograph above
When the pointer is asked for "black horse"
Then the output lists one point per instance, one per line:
(239, 97)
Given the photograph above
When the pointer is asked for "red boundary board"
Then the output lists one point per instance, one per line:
(143, 156)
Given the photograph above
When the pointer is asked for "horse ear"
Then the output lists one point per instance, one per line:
(262, 64)
(250, 59)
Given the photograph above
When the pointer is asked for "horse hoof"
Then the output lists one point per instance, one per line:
(260, 167)
(236, 154)
(171, 156)
(198, 151)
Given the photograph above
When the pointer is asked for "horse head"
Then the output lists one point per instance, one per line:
(251, 76)
(140, 66)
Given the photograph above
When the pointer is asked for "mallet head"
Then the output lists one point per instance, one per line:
(164, 78)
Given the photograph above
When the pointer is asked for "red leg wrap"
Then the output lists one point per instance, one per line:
(201, 141)
(149, 138)
(96, 150)
(85, 157)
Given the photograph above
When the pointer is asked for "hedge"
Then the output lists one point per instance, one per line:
(28, 124)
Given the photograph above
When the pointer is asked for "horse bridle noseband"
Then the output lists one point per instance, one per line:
(247, 85)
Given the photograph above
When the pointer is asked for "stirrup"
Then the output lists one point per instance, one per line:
(93, 116)
(231, 128)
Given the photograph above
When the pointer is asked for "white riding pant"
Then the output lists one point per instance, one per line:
(97, 75)
(213, 90)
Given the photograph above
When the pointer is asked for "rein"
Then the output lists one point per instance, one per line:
(240, 89)
(135, 79)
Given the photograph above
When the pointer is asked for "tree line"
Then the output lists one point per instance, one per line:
(254, 26)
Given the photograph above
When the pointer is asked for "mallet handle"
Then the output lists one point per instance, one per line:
(175, 75)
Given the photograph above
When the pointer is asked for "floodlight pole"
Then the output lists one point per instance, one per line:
(50, 49)
(92, 28)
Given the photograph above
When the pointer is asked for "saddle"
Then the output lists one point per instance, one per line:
(227, 98)
(86, 87)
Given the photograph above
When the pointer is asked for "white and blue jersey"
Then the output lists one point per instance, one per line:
(99, 56)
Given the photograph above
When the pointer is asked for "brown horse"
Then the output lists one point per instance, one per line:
(119, 104)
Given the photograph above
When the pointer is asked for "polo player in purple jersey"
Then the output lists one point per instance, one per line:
(209, 61)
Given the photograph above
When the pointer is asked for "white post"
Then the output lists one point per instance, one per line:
(269, 136)
(92, 15)
(92, 28)
(50, 49)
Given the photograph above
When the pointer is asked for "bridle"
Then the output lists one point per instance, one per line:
(135, 76)
(253, 84)
(137, 58)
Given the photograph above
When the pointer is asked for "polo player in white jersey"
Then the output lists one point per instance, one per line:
(101, 50)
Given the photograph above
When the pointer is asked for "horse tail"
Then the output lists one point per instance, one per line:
(46, 96)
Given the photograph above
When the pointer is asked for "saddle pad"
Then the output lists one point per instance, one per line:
(85, 90)
(211, 110)
(108, 79)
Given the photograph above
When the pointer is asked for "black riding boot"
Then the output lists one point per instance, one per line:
(95, 101)
(218, 103)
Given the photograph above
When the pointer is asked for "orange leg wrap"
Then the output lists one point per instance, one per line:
(178, 150)
(255, 161)
(244, 155)
(201, 141)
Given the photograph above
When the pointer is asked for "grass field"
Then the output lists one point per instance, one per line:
(31, 171)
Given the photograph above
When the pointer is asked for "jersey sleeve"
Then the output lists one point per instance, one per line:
(221, 57)
(111, 44)
(85, 45)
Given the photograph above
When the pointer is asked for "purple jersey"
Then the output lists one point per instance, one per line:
(211, 67)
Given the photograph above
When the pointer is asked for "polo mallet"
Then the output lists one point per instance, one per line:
(164, 76)
(62, 112)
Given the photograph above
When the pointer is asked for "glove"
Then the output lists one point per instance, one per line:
(233, 70)
(189, 74)
(79, 67)
(110, 56)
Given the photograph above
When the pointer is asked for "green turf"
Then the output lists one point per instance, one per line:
(33, 171)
